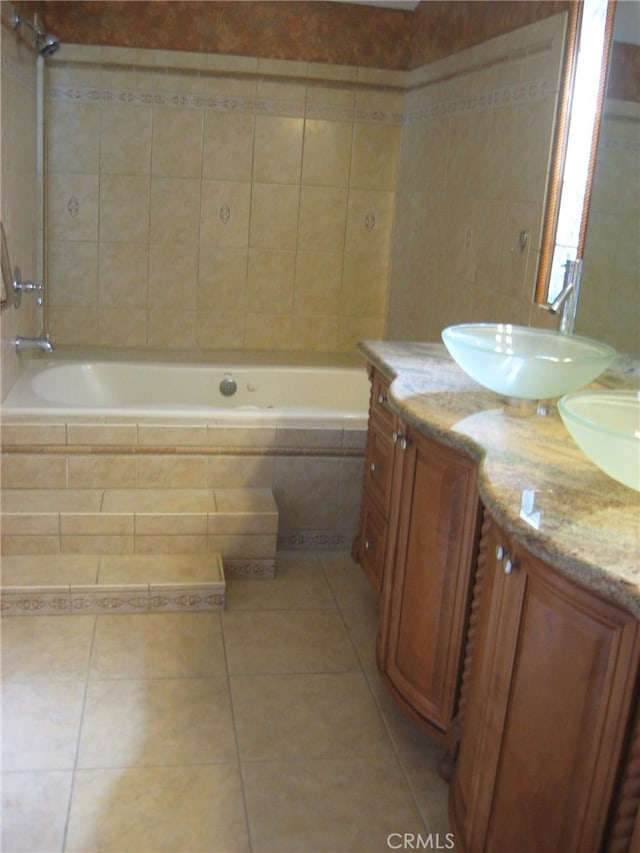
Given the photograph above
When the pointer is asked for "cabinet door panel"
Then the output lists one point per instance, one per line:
(379, 464)
(374, 537)
(430, 579)
(556, 719)
(550, 695)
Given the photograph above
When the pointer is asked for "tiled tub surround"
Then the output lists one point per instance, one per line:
(201, 201)
(472, 174)
(300, 205)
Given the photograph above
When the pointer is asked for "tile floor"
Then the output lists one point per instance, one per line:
(262, 728)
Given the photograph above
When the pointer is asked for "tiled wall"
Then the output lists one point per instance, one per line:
(19, 196)
(202, 201)
(472, 176)
(610, 296)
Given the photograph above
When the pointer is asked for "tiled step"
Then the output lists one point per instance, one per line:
(239, 524)
(123, 583)
(144, 541)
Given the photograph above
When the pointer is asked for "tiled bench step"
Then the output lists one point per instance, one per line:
(132, 583)
(240, 524)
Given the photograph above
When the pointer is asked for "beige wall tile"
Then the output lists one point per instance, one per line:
(169, 195)
(73, 143)
(277, 154)
(177, 143)
(318, 282)
(99, 524)
(171, 544)
(222, 278)
(327, 153)
(28, 471)
(102, 434)
(171, 329)
(314, 333)
(122, 327)
(92, 472)
(228, 146)
(374, 159)
(238, 472)
(172, 436)
(74, 326)
(184, 472)
(225, 214)
(21, 434)
(323, 215)
(123, 274)
(173, 271)
(72, 274)
(270, 281)
(72, 206)
(224, 330)
(125, 140)
(274, 216)
(96, 544)
(124, 209)
(369, 222)
(268, 331)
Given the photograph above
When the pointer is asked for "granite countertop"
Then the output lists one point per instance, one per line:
(533, 478)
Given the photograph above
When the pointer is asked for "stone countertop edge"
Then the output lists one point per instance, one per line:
(532, 477)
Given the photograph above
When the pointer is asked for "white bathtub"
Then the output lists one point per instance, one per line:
(310, 396)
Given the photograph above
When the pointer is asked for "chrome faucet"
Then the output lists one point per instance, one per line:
(568, 297)
(43, 344)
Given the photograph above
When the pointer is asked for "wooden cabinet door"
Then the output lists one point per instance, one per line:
(373, 535)
(434, 519)
(377, 480)
(549, 703)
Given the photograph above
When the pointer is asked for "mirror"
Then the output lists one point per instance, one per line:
(6, 291)
(610, 299)
(573, 161)
(606, 203)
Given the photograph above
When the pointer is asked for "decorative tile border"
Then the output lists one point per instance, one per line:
(237, 568)
(221, 103)
(314, 539)
(35, 601)
(504, 96)
(127, 598)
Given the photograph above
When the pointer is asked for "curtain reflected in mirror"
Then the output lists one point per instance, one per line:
(610, 300)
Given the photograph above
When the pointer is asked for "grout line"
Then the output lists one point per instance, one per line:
(80, 727)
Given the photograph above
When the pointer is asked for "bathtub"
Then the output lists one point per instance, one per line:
(227, 394)
(114, 422)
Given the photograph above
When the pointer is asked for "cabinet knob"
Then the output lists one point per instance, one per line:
(382, 399)
(401, 439)
(368, 545)
(508, 567)
(373, 467)
(500, 551)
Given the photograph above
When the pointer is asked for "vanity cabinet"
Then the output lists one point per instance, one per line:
(378, 475)
(418, 541)
(428, 578)
(546, 725)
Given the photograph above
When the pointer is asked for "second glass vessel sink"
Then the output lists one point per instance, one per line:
(522, 361)
(606, 427)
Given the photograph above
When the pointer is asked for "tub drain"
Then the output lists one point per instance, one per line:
(228, 386)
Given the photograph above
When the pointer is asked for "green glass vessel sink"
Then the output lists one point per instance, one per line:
(606, 427)
(522, 361)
